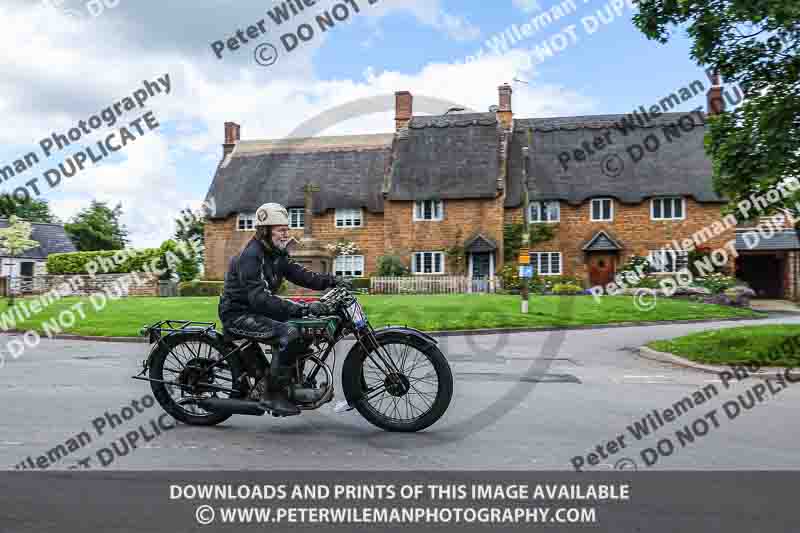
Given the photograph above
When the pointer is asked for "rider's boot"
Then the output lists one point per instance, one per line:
(274, 398)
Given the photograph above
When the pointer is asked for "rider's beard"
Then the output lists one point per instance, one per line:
(280, 244)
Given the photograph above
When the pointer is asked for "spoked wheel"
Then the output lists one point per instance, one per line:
(410, 393)
(182, 360)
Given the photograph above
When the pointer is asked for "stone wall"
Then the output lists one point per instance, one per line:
(139, 284)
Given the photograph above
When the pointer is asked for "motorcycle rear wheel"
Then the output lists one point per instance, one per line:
(170, 362)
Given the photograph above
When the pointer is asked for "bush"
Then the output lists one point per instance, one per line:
(650, 282)
(391, 265)
(716, 283)
(201, 288)
(536, 284)
(360, 283)
(128, 260)
(567, 288)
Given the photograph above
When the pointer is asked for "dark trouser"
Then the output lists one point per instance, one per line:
(261, 327)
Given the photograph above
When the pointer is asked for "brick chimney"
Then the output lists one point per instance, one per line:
(404, 109)
(714, 102)
(232, 136)
(504, 113)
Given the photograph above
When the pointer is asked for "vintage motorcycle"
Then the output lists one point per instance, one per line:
(396, 377)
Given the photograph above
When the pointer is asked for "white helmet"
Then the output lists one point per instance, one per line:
(272, 215)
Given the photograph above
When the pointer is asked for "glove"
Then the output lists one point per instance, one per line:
(299, 310)
(317, 309)
(341, 281)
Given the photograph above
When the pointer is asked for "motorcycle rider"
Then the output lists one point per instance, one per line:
(249, 304)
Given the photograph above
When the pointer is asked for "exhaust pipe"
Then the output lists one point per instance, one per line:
(231, 405)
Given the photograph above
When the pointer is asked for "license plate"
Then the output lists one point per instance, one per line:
(356, 314)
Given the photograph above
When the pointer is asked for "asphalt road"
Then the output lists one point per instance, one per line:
(522, 401)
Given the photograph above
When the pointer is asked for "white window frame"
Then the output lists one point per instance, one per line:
(343, 215)
(433, 263)
(437, 206)
(610, 210)
(536, 262)
(246, 219)
(297, 218)
(352, 264)
(544, 206)
(680, 261)
(663, 199)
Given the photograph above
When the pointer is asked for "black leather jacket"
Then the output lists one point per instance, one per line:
(254, 277)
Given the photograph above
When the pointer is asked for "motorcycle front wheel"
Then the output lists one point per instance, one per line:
(408, 394)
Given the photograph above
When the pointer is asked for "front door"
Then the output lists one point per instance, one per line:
(602, 268)
(480, 265)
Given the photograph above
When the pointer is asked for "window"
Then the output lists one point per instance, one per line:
(428, 263)
(544, 212)
(349, 265)
(297, 218)
(602, 210)
(348, 218)
(669, 261)
(246, 221)
(429, 210)
(546, 263)
(666, 208)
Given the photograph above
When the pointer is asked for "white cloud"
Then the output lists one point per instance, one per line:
(528, 6)
(62, 77)
(431, 13)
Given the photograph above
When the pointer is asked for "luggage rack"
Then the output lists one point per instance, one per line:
(155, 331)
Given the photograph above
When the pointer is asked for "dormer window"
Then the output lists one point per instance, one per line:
(602, 210)
(544, 212)
(246, 222)
(428, 210)
(348, 218)
(297, 218)
(667, 208)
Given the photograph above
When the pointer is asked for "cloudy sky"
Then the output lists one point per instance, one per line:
(65, 60)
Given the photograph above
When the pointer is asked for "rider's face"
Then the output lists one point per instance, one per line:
(280, 236)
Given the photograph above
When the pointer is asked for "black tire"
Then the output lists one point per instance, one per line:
(184, 344)
(354, 384)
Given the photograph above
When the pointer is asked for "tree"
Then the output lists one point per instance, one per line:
(178, 258)
(98, 228)
(15, 240)
(191, 228)
(755, 43)
(32, 210)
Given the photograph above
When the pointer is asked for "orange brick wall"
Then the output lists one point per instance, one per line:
(223, 240)
(631, 227)
(462, 220)
(394, 231)
(401, 235)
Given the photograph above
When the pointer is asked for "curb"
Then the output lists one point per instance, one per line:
(671, 358)
(460, 332)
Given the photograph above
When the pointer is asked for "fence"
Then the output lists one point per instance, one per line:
(19, 285)
(434, 285)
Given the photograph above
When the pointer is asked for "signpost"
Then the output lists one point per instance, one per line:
(524, 252)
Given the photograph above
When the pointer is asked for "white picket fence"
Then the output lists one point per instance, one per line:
(434, 285)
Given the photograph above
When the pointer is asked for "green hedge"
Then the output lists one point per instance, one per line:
(201, 288)
(77, 262)
(360, 283)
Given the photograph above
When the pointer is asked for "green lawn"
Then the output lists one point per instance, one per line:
(764, 344)
(124, 317)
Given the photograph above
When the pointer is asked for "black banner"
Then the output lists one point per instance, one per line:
(617, 502)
